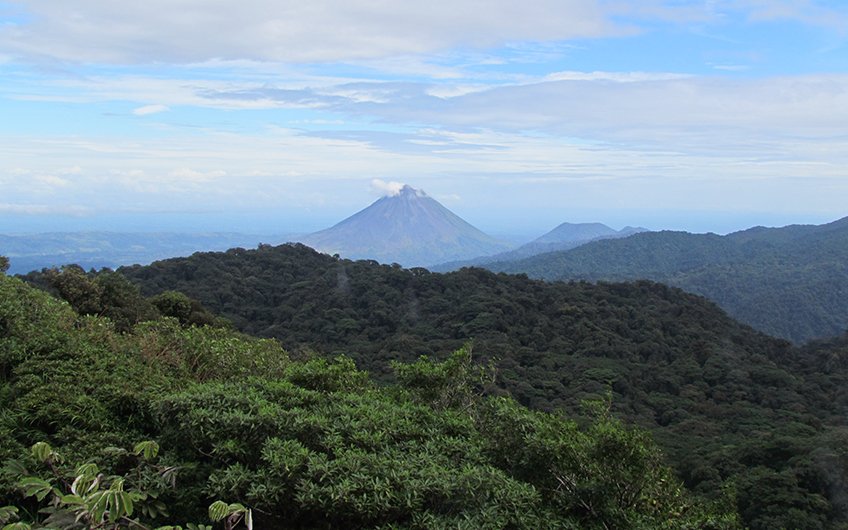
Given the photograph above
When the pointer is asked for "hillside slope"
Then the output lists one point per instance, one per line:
(718, 396)
(789, 282)
(304, 445)
(564, 237)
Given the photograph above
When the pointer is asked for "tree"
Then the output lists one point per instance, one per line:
(4, 264)
(187, 310)
(76, 288)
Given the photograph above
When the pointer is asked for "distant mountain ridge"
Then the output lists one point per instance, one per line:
(790, 282)
(98, 249)
(409, 228)
(564, 237)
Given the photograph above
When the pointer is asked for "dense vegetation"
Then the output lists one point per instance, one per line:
(734, 409)
(242, 432)
(564, 237)
(789, 282)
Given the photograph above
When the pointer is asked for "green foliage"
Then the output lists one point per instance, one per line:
(205, 353)
(344, 455)
(788, 282)
(231, 514)
(81, 385)
(324, 376)
(148, 449)
(109, 294)
(106, 294)
(8, 513)
(4, 264)
(187, 311)
(605, 473)
(306, 444)
(705, 385)
(84, 497)
(455, 382)
(70, 496)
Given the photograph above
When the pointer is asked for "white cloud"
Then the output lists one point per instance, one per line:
(44, 209)
(188, 31)
(390, 189)
(191, 175)
(618, 77)
(282, 169)
(807, 11)
(150, 109)
(651, 109)
(731, 67)
(452, 91)
(678, 113)
(52, 181)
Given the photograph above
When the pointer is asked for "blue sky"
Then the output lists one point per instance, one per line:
(279, 116)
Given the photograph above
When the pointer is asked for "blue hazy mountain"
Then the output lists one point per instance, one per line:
(564, 237)
(409, 228)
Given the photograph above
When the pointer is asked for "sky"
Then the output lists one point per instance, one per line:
(276, 116)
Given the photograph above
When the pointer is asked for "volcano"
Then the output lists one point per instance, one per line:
(408, 227)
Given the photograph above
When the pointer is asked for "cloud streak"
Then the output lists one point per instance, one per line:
(150, 109)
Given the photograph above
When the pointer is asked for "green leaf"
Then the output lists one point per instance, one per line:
(117, 485)
(89, 469)
(85, 484)
(72, 499)
(97, 503)
(218, 510)
(35, 487)
(17, 526)
(7, 513)
(42, 451)
(148, 449)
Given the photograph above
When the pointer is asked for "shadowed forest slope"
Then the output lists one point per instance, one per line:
(789, 282)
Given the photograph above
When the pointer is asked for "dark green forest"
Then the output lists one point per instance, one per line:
(734, 410)
(745, 420)
(166, 423)
(789, 282)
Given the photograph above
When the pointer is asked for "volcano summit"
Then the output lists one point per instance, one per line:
(406, 227)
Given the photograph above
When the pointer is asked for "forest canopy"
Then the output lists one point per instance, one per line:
(232, 426)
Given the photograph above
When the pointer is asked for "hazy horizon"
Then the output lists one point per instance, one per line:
(518, 229)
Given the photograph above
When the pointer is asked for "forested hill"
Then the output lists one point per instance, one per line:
(168, 423)
(564, 237)
(727, 403)
(789, 282)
